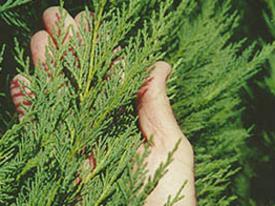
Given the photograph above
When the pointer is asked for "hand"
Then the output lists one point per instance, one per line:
(156, 118)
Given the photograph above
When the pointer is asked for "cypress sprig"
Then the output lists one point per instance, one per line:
(41, 157)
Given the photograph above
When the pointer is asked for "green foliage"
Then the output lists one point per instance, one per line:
(12, 17)
(270, 19)
(267, 129)
(256, 182)
(208, 79)
(11, 4)
(79, 109)
(270, 16)
(2, 50)
(40, 157)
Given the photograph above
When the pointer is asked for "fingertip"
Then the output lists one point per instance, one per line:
(18, 83)
(164, 65)
(161, 70)
(20, 93)
(82, 19)
(53, 15)
(18, 80)
(81, 15)
(39, 42)
(51, 9)
(50, 17)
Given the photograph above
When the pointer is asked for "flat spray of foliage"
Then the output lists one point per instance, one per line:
(207, 101)
(41, 156)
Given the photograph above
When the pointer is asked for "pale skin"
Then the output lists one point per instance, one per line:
(156, 119)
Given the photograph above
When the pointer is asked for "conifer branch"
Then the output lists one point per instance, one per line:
(11, 4)
(97, 23)
(78, 111)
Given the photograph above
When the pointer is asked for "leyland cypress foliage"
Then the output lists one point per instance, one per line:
(41, 156)
(79, 108)
(2, 50)
(260, 112)
(207, 100)
(10, 13)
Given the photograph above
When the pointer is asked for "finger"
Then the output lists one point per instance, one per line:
(154, 110)
(83, 19)
(160, 72)
(155, 84)
(156, 120)
(39, 44)
(20, 94)
(52, 19)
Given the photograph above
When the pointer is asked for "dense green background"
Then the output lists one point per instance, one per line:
(257, 179)
(260, 108)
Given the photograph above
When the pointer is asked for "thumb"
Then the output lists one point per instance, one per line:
(155, 113)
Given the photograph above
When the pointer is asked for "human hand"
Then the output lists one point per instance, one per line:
(156, 118)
